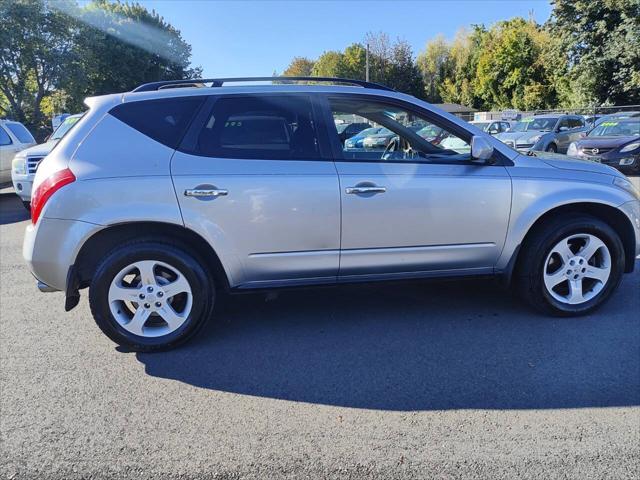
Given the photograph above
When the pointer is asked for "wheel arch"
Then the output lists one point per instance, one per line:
(606, 213)
(101, 242)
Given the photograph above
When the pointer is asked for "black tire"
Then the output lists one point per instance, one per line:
(552, 148)
(529, 278)
(26, 205)
(200, 282)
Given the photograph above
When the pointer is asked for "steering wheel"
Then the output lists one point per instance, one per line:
(392, 146)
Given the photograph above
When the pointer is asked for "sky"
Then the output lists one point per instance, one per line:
(256, 38)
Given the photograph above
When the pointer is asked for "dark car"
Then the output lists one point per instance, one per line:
(616, 116)
(615, 143)
(348, 130)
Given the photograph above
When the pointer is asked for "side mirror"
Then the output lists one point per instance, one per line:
(481, 149)
(493, 131)
(563, 129)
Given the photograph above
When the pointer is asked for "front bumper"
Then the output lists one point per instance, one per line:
(23, 184)
(632, 162)
(632, 210)
(51, 246)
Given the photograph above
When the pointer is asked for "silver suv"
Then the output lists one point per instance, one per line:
(161, 197)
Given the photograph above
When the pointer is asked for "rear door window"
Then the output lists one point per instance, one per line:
(268, 127)
(164, 120)
(21, 133)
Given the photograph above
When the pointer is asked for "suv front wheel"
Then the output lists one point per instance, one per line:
(570, 266)
(150, 296)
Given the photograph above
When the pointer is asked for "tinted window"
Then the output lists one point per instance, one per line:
(266, 127)
(576, 123)
(21, 133)
(163, 120)
(5, 139)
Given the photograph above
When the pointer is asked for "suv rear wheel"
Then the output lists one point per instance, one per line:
(150, 296)
(571, 266)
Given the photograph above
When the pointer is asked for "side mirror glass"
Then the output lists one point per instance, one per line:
(481, 149)
(563, 128)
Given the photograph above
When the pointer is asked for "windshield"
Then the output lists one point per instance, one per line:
(616, 129)
(64, 127)
(534, 124)
(481, 125)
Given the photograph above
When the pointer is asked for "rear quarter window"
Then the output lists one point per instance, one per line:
(5, 139)
(164, 120)
(21, 133)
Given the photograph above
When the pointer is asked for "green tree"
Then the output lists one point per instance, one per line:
(601, 42)
(403, 74)
(121, 46)
(354, 61)
(435, 65)
(459, 85)
(329, 64)
(299, 67)
(510, 71)
(392, 64)
(53, 54)
(36, 46)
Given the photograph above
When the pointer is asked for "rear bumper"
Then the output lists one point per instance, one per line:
(51, 246)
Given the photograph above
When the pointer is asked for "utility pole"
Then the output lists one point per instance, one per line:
(367, 70)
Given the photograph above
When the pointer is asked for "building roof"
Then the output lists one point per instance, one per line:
(454, 108)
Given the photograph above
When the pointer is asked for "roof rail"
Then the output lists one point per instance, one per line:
(218, 82)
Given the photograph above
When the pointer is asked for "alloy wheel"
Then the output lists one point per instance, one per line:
(577, 269)
(150, 298)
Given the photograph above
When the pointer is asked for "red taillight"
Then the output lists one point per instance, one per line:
(47, 188)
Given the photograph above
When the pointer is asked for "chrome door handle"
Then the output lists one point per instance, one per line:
(208, 192)
(352, 190)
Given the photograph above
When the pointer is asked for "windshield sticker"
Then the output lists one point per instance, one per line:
(609, 124)
(528, 120)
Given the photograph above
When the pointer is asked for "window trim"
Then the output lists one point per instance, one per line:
(500, 160)
(188, 143)
(8, 136)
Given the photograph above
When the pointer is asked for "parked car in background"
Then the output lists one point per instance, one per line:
(158, 201)
(25, 163)
(432, 133)
(591, 119)
(456, 144)
(493, 127)
(14, 137)
(348, 130)
(614, 142)
(548, 133)
(379, 140)
(356, 141)
(616, 116)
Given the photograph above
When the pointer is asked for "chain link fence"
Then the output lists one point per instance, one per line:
(590, 111)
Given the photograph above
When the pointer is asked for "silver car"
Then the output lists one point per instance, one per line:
(161, 198)
(545, 133)
(25, 163)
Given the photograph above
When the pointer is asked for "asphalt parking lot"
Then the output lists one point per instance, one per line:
(453, 380)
